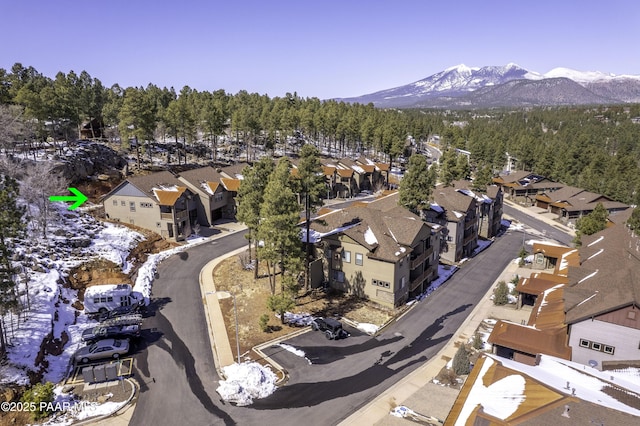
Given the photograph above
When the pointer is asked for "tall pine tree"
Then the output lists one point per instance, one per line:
(250, 198)
(278, 227)
(417, 185)
(12, 225)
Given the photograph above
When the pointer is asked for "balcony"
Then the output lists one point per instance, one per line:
(168, 216)
(182, 214)
(417, 281)
(421, 257)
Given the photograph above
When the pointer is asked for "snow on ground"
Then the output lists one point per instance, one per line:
(368, 328)
(246, 382)
(73, 239)
(295, 351)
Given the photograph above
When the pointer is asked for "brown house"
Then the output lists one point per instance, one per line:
(462, 223)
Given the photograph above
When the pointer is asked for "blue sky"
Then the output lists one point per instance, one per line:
(319, 49)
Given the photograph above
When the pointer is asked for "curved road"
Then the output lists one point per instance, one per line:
(176, 369)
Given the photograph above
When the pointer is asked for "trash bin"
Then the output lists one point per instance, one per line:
(111, 371)
(87, 374)
(99, 373)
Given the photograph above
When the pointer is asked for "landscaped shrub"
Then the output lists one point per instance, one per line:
(477, 342)
(461, 363)
(264, 323)
(501, 294)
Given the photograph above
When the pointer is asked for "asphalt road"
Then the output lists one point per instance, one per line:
(176, 369)
(540, 226)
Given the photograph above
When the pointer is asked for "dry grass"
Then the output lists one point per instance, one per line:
(251, 299)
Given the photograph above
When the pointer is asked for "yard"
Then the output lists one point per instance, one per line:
(251, 299)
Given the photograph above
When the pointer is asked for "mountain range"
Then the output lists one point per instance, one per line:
(507, 86)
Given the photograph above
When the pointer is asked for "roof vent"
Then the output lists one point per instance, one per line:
(566, 411)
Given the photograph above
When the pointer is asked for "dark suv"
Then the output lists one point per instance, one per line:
(332, 328)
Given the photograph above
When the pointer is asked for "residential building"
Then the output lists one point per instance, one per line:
(462, 223)
(588, 309)
(571, 203)
(554, 391)
(522, 186)
(385, 256)
(490, 207)
(216, 202)
(159, 202)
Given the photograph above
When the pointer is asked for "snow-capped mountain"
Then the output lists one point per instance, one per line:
(463, 86)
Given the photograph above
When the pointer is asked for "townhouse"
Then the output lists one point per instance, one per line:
(384, 254)
(159, 202)
(462, 223)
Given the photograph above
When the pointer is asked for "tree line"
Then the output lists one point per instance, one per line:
(595, 148)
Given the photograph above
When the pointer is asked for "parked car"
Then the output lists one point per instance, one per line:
(117, 312)
(332, 328)
(111, 331)
(106, 348)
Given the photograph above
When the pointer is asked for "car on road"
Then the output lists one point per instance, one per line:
(111, 331)
(332, 328)
(106, 348)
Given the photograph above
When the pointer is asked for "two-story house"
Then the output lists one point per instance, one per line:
(159, 202)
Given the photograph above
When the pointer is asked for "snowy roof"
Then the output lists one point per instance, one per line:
(502, 390)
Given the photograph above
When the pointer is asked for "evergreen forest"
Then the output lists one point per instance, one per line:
(596, 148)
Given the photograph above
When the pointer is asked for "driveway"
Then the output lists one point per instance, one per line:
(176, 370)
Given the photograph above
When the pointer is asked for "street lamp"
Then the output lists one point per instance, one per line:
(224, 295)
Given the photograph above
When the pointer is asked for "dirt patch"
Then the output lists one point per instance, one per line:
(251, 300)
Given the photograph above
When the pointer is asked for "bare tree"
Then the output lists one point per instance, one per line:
(11, 126)
(41, 181)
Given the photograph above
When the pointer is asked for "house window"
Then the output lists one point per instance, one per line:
(132, 206)
(115, 202)
(359, 259)
(146, 205)
(631, 315)
(402, 282)
(158, 225)
(609, 349)
(596, 346)
(585, 343)
(218, 197)
(123, 203)
(338, 276)
(346, 256)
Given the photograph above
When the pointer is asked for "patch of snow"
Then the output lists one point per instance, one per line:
(370, 237)
(296, 352)
(368, 328)
(246, 382)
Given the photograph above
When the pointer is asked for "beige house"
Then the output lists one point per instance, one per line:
(159, 202)
(386, 256)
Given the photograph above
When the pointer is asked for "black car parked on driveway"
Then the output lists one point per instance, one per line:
(332, 328)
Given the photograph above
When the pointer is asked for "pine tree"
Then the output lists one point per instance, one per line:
(461, 364)
(594, 222)
(501, 294)
(278, 226)
(250, 198)
(311, 188)
(417, 185)
(12, 225)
